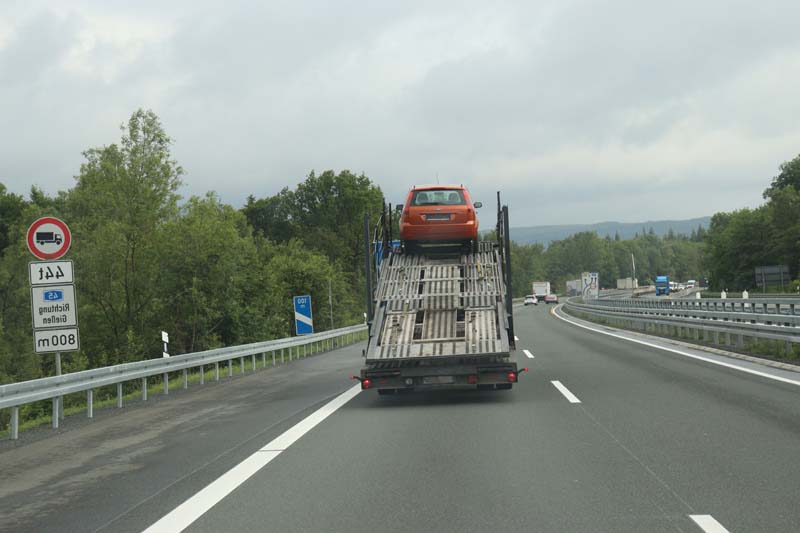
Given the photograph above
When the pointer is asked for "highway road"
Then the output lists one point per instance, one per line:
(601, 435)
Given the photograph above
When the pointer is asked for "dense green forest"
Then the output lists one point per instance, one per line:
(210, 274)
(679, 256)
(739, 241)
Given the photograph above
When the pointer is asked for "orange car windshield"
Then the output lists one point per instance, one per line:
(438, 197)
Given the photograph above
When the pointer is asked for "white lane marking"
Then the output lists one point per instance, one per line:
(693, 356)
(516, 338)
(527, 353)
(186, 513)
(707, 523)
(566, 392)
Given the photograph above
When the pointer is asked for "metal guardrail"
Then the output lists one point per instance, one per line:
(780, 306)
(14, 395)
(703, 319)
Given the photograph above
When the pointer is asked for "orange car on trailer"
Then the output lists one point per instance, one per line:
(437, 214)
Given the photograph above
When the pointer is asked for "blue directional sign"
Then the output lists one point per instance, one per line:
(53, 296)
(303, 320)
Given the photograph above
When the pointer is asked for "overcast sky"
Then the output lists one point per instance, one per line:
(578, 111)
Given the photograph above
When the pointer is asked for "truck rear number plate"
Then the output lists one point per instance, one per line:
(437, 380)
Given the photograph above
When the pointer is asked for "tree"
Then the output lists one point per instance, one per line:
(295, 270)
(12, 207)
(331, 208)
(326, 212)
(784, 219)
(789, 176)
(737, 243)
(273, 217)
(123, 198)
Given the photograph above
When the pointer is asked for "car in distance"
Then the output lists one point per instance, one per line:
(530, 300)
(551, 299)
(439, 214)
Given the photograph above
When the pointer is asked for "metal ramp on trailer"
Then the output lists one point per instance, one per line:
(429, 307)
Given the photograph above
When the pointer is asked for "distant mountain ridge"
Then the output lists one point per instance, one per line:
(627, 230)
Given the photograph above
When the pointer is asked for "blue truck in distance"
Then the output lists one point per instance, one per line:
(662, 285)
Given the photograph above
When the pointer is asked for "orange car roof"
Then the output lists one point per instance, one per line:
(437, 186)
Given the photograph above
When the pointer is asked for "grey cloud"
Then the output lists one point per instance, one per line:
(579, 108)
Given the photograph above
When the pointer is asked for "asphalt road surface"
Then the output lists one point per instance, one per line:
(601, 435)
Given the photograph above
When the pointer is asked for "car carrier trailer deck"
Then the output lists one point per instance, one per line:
(441, 318)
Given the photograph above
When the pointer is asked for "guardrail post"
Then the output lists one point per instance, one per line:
(282, 360)
(230, 367)
(55, 412)
(254, 362)
(165, 379)
(740, 341)
(90, 403)
(263, 359)
(716, 338)
(789, 347)
(144, 389)
(15, 422)
(241, 362)
(119, 395)
(216, 371)
(202, 374)
(290, 353)
(185, 378)
(273, 357)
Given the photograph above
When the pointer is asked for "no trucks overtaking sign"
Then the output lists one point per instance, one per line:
(49, 238)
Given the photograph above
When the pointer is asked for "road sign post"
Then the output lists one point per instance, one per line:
(303, 319)
(54, 313)
(165, 341)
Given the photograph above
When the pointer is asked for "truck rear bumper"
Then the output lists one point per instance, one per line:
(489, 376)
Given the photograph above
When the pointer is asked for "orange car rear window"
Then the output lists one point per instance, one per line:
(438, 197)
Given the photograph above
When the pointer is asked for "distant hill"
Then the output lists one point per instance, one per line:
(627, 230)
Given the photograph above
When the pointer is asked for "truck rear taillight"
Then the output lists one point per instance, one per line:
(512, 377)
(365, 384)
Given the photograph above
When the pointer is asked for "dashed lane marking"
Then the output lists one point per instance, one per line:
(707, 523)
(566, 392)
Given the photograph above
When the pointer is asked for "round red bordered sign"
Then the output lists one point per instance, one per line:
(49, 238)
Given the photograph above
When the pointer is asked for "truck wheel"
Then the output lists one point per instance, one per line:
(474, 244)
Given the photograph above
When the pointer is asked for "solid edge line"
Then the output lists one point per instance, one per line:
(528, 354)
(673, 350)
(708, 523)
(566, 392)
(196, 506)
